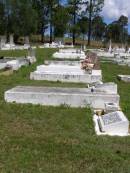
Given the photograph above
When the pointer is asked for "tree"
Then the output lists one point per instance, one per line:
(2, 18)
(43, 13)
(98, 28)
(93, 9)
(123, 23)
(60, 21)
(83, 25)
(117, 30)
(21, 18)
(52, 5)
(74, 7)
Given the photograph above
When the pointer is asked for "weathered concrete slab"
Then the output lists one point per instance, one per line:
(109, 87)
(74, 97)
(54, 62)
(18, 63)
(125, 78)
(65, 73)
(69, 54)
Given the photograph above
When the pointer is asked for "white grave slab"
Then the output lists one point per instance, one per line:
(109, 87)
(114, 123)
(54, 62)
(16, 64)
(74, 97)
(69, 54)
(65, 73)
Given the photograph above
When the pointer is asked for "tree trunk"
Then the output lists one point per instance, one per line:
(51, 31)
(74, 22)
(90, 24)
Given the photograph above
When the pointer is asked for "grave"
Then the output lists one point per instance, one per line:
(26, 43)
(69, 54)
(55, 62)
(109, 87)
(56, 96)
(3, 62)
(17, 63)
(125, 78)
(65, 73)
(11, 42)
(114, 123)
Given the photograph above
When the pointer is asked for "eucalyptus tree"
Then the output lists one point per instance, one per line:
(93, 9)
(2, 18)
(42, 10)
(60, 20)
(74, 8)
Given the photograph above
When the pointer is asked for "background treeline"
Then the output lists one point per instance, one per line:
(59, 19)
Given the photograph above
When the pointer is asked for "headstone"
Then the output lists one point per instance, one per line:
(11, 38)
(110, 47)
(27, 40)
(3, 41)
(114, 123)
(31, 55)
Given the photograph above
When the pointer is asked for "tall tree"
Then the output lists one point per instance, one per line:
(123, 23)
(93, 9)
(52, 5)
(2, 18)
(98, 28)
(74, 7)
(83, 26)
(21, 18)
(43, 13)
(60, 21)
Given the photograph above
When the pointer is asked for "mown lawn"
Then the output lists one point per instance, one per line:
(39, 139)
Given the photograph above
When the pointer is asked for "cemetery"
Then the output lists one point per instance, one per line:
(64, 86)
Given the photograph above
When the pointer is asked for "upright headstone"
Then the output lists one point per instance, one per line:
(3, 41)
(110, 47)
(27, 40)
(31, 52)
(31, 55)
(11, 40)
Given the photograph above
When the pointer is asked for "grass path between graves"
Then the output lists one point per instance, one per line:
(40, 139)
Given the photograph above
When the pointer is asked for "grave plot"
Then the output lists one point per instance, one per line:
(15, 63)
(66, 73)
(73, 97)
(69, 54)
(88, 71)
(55, 62)
(114, 123)
(125, 78)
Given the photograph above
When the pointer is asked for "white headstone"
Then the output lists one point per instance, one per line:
(110, 47)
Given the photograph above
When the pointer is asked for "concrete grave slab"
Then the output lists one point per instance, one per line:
(65, 73)
(73, 97)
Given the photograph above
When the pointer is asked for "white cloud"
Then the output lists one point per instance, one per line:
(113, 9)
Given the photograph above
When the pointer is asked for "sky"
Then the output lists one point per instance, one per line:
(113, 9)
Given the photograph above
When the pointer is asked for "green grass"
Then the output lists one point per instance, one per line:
(39, 139)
